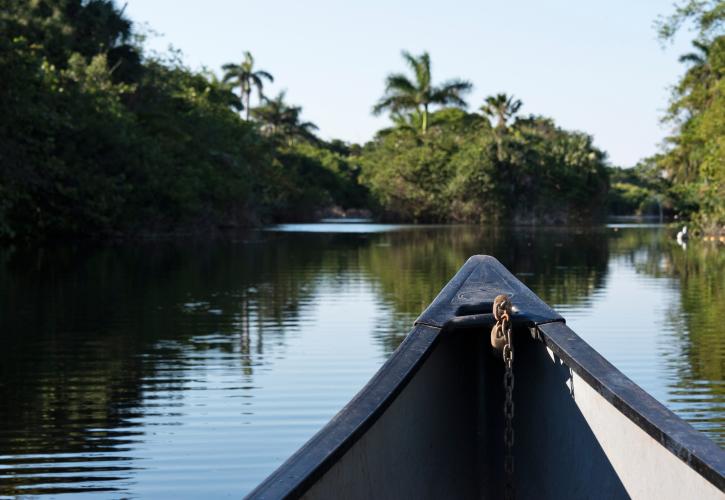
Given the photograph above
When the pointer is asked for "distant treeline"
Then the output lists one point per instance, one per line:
(98, 138)
(688, 177)
(694, 161)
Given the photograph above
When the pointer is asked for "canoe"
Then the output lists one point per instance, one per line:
(430, 422)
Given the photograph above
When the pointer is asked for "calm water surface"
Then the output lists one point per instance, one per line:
(173, 370)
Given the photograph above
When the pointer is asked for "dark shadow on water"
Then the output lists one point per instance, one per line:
(90, 332)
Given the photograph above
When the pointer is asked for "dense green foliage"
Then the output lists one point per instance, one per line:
(415, 97)
(695, 160)
(96, 139)
(465, 170)
(453, 166)
(246, 77)
(641, 190)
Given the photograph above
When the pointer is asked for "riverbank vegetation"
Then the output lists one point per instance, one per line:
(642, 190)
(452, 165)
(694, 160)
(99, 138)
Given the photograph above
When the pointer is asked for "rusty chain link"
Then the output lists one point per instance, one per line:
(502, 339)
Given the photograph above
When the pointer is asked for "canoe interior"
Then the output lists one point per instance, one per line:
(430, 423)
(443, 436)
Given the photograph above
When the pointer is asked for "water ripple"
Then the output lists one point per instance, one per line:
(170, 371)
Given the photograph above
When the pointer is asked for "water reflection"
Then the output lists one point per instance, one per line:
(169, 369)
(693, 334)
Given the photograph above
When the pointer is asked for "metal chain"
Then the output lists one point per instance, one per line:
(502, 341)
(508, 407)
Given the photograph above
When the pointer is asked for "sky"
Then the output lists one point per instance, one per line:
(593, 66)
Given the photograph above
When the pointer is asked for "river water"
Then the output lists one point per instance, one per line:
(188, 369)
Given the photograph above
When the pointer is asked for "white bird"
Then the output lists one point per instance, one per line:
(682, 236)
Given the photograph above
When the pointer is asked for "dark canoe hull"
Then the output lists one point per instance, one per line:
(429, 424)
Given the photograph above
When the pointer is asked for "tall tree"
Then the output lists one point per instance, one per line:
(281, 120)
(695, 158)
(699, 72)
(699, 56)
(707, 17)
(502, 107)
(417, 95)
(223, 91)
(245, 77)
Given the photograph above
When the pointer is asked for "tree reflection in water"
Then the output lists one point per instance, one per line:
(103, 345)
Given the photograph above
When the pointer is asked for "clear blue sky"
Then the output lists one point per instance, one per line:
(594, 66)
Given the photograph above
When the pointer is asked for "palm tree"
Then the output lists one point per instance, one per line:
(502, 107)
(698, 58)
(283, 121)
(222, 90)
(245, 77)
(407, 121)
(405, 95)
(700, 69)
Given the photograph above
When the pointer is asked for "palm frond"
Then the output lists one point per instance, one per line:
(383, 104)
(249, 58)
(423, 71)
(308, 126)
(396, 103)
(410, 59)
(451, 92)
(701, 46)
(457, 85)
(264, 74)
(502, 107)
(696, 59)
(399, 83)
(487, 110)
(446, 98)
(404, 97)
(514, 106)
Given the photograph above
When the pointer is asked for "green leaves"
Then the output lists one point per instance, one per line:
(407, 97)
(463, 170)
(708, 16)
(283, 122)
(501, 107)
(695, 159)
(246, 77)
(86, 153)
